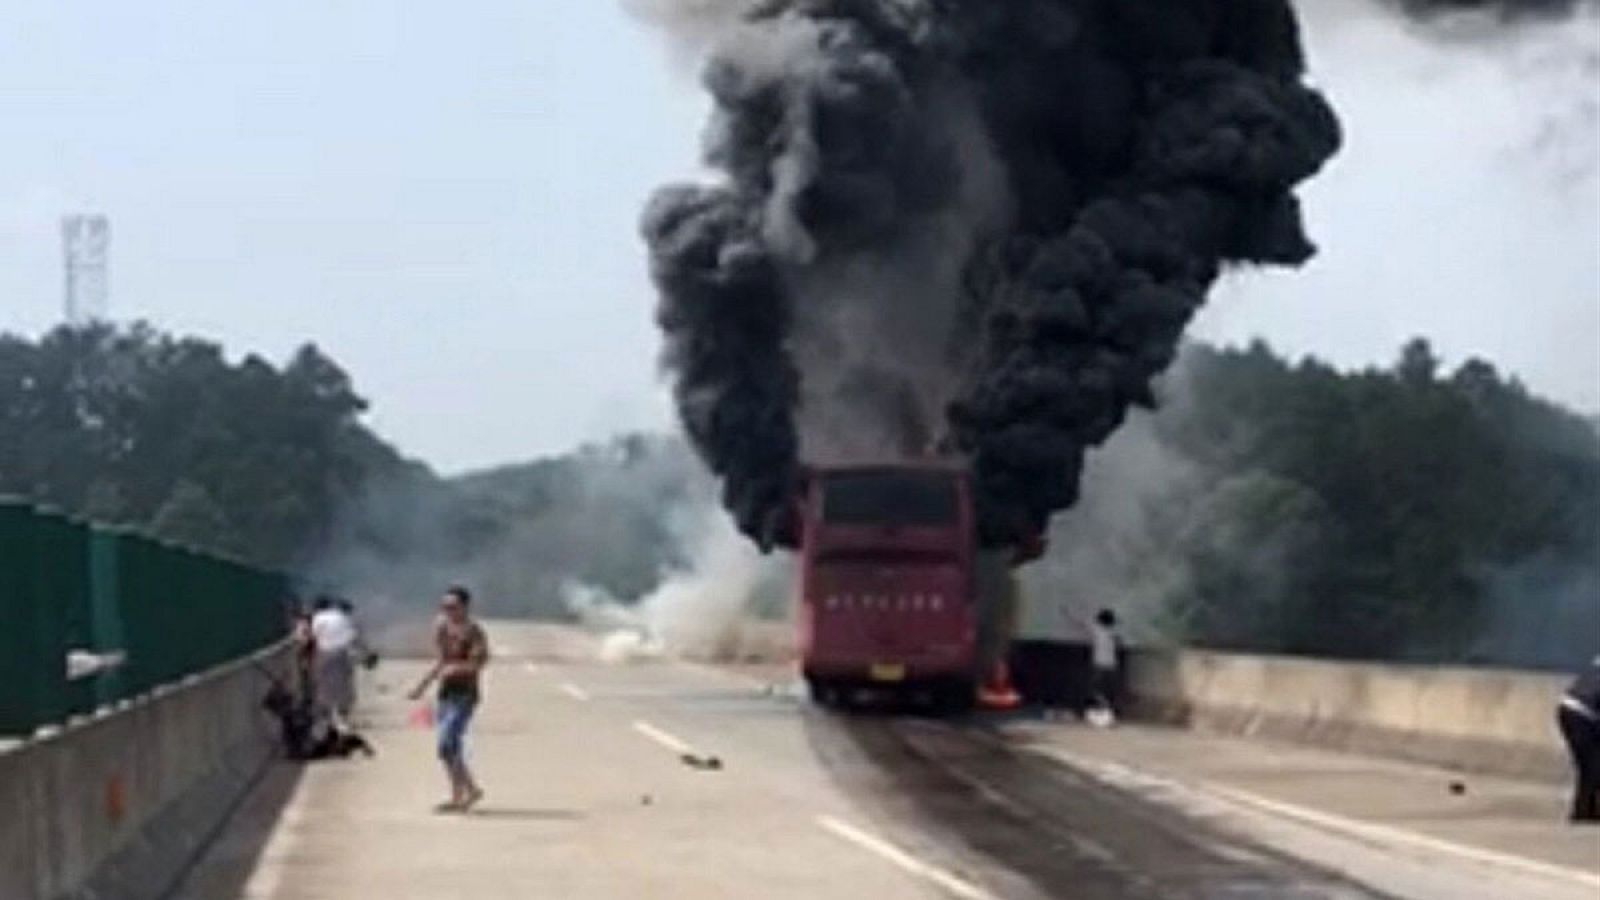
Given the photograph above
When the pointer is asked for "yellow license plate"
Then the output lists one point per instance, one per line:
(887, 672)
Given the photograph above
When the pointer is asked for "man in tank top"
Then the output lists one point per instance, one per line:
(462, 650)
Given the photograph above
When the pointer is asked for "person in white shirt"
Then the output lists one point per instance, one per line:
(1103, 675)
(334, 635)
(1104, 658)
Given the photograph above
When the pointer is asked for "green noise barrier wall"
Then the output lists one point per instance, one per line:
(68, 585)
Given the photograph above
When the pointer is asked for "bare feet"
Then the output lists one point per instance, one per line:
(449, 806)
(474, 794)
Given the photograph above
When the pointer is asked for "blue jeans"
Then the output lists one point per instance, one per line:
(453, 715)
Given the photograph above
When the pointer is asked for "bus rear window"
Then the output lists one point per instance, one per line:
(889, 498)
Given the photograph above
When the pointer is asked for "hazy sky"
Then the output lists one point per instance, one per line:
(445, 198)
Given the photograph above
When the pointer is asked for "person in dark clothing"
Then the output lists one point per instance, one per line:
(1578, 715)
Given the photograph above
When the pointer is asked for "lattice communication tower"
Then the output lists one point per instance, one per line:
(86, 249)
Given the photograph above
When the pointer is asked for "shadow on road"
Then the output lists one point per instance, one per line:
(1065, 835)
(226, 866)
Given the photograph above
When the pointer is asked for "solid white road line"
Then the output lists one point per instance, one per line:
(661, 737)
(1383, 836)
(1387, 835)
(957, 886)
(566, 687)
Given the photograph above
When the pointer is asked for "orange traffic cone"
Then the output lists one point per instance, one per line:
(998, 692)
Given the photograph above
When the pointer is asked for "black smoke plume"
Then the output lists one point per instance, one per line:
(980, 225)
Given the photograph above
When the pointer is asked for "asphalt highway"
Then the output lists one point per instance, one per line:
(665, 779)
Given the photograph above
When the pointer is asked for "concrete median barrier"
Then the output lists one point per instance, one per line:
(1484, 720)
(116, 805)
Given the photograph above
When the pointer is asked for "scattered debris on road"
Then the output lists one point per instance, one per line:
(703, 763)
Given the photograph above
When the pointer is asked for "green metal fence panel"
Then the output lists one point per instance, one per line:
(51, 594)
(171, 611)
(62, 575)
(140, 671)
(24, 657)
(105, 611)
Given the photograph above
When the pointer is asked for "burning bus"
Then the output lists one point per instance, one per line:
(894, 592)
(876, 266)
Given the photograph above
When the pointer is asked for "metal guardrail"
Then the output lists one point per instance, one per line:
(129, 611)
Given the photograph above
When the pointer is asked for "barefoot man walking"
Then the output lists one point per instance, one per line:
(462, 649)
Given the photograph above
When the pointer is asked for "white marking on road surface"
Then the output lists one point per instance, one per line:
(573, 691)
(1383, 837)
(1384, 834)
(958, 886)
(661, 737)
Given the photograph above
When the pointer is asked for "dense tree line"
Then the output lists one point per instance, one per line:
(129, 426)
(1402, 513)
(1398, 513)
(273, 464)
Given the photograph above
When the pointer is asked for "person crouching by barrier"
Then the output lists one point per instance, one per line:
(305, 735)
(462, 650)
(1578, 716)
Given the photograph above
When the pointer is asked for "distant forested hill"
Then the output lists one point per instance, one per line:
(1401, 513)
(135, 427)
(275, 465)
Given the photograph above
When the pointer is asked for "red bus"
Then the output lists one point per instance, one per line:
(888, 596)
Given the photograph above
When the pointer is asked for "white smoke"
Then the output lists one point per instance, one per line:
(716, 608)
(1127, 544)
(1108, 550)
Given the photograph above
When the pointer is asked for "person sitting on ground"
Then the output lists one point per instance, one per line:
(307, 737)
(1578, 716)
